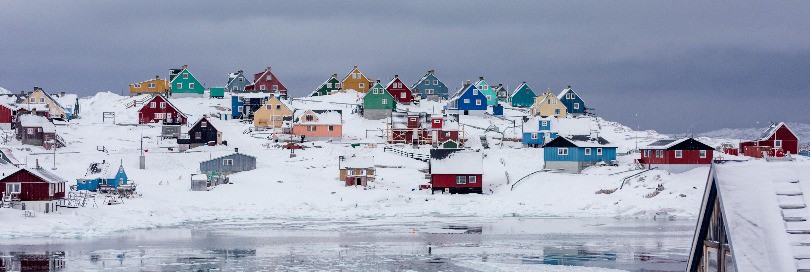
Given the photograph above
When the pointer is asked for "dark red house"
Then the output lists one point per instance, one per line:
(777, 141)
(35, 184)
(6, 115)
(456, 171)
(399, 90)
(160, 110)
(421, 128)
(676, 156)
(266, 81)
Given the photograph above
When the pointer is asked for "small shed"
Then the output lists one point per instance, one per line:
(457, 171)
(102, 174)
(357, 170)
(216, 92)
(199, 182)
(233, 163)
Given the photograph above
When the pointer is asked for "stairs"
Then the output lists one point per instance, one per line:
(415, 156)
(794, 213)
(60, 142)
(138, 102)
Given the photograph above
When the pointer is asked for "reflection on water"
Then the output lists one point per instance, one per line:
(365, 245)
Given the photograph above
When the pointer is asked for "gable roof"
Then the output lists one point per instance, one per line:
(768, 133)
(322, 117)
(356, 162)
(190, 75)
(569, 90)
(40, 173)
(426, 76)
(579, 141)
(101, 170)
(324, 83)
(461, 91)
(678, 144)
(520, 87)
(395, 79)
(456, 161)
(351, 72)
(30, 120)
(55, 102)
(230, 155)
(167, 102)
(207, 120)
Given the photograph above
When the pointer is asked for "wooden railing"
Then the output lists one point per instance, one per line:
(415, 156)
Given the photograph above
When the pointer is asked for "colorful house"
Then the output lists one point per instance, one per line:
(489, 93)
(501, 93)
(523, 96)
(572, 154)
(357, 170)
(753, 217)
(676, 156)
(155, 86)
(420, 128)
(266, 81)
(355, 80)
(429, 87)
(540, 130)
(399, 91)
(70, 102)
(229, 164)
(456, 171)
(777, 141)
(184, 84)
(328, 87)
(102, 175)
(378, 103)
(7, 114)
(548, 104)
(39, 100)
(237, 82)
(468, 99)
(38, 131)
(574, 105)
(203, 132)
(272, 114)
(318, 125)
(32, 184)
(160, 110)
(244, 105)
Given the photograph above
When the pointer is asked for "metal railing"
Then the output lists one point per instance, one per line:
(415, 156)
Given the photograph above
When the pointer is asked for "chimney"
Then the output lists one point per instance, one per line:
(267, 69)
(239, 72)
(334, 75)
(185, 66)
(61, 94)
(431, 71)
(355, 67)
(569, 86)
(37, 167)
(396, 76)
(236, 149)
(157, 77)
(524, 82)
(103, 161)
(468, 82)
(500, 84)
(480, 78)
(378, 81)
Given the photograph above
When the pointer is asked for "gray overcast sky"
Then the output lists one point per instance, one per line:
(675, 65)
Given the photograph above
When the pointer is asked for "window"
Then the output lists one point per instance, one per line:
(562, 151)
(384, 101)
(185, 75)
(138, 86)
(160, 115)
(461, 179)
(703, 154)
(534, 136)
(269, 77)
(13, 188)
(179, 86)
(151, 85)
(659, 153)
(429, 91)
(311, 128)
(556, 111)
(427, 82)
(309, 118)
(362, 85)
(435, 82)
(268, 107)
(162, 105)
(235, 88)
(544, 123)
(331, 128)
(328, 85)
(466, 101)
(402, 95)
(777, 143)
(472, 179)
(152, 105)
(337, 85)
(241, 79)
(30, 131)
(227, 162)
(478, 102)
(278, 107)
(599, 151)
(197, 135)
(475, 91)
(576, 106)
(275, 87)
(33, 100)
(587, 151)
(679, 154)
(41, 100)
(437, 121)
(446, 134)
(204, 124)
(262, 87)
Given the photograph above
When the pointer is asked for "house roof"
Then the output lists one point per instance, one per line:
(754, 198)
(562, 126)
(567, 90)
(357, 162)
(322, 117)
(212, 124)
(230, 155)
(768, 133)
(416, 85)
(67, 99)
(579, 141)
(44, 175)
(151, 79)
(678, 144)
(101, 170)
(520, 87)
(9, 154)
(51, 99)
(167, 102)
(456, 161)
(30, 120)
(324, 83)
(461, 91)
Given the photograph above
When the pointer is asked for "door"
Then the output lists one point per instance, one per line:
(169, 117)
(358, 181)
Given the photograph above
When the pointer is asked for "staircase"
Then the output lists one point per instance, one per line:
(138, 102)
(415, 156)
(60, 142)
(8, 199)
(794, 213)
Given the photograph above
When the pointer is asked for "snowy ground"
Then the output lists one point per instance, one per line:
(306, 187)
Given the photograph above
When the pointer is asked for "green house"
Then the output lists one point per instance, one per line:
(328, 87)
(378, 103)
(523, 96)
(184, 84)
(483, 86)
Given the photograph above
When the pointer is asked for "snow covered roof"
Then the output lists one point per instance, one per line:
(456, 161)
(30, 120)
(567, 90)
(764, 208)
(579, 141)
(199, 177)
(416, 85)
(357, 162)
(563, 126)
(10, 156)
(671, 143)
(254, 95)
(772, 129)
(100, 170)
(7, 169)
(322, 117)
(461, 91)
(45, 175)
(66, 100)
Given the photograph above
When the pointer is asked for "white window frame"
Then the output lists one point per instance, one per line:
(14, 187)
(203, 124)
(227, 162)
(472, 179)
(475, 91)
(33, 100)
(429, 91)
(269, 77)
(703, 154)
(777, 143)
(478, 102)
(427, 82)
(137, 86)
(179, 85)
(678, 154)
(599, 151)
(587, 151)
(185, 75)
(162, 105)
(435, 82)
(152, 104)
(262, 87)
(466, 100)
(562, 151)
(384, 101)
(151, 85)
(362, 85)
(544, 123)
(534, 136)
(403, 95)
(461, 179)
(576, 106)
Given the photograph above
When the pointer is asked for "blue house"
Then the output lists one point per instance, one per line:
(572, 154)
(429, 87)
(574, 104)
(237, 82)
(537, 131)
(102, 174)
(468, 98)
(245, 104)
(523, 96)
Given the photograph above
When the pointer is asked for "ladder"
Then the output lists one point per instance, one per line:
(794, 211)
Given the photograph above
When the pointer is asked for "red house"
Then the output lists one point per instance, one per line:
(160, 110)
(422, 128)
(399, 90)
(35, 184)
(777, 141)
(6, 114)
(266, 81)
(456, 171)
(676, 156)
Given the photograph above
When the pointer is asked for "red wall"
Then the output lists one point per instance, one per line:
(790, 143)
(261, 79)
(397, 92)
(689, 157)
(147, 114)
(449, 181)
(5, 115)
(32, 188)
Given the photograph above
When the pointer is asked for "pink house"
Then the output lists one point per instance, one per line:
(317, 125)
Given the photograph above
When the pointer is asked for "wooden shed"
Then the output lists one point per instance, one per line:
(357, 170)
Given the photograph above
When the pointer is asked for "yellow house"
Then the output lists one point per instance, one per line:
(272, 113)
(548, 104)
(156, 85)
(39, 100)
(355, 80)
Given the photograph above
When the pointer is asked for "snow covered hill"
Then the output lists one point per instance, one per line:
(307, 186)
(4, 91)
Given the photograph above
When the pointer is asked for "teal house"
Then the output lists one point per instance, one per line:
(237, 82)
(523, 96)
(429, 87)
(184, 84)
(216, 92)
(101, 175)
(484, 88)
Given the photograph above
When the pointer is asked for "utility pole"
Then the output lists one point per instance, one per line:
(142, 158)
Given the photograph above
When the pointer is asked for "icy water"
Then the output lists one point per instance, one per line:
(435, 244)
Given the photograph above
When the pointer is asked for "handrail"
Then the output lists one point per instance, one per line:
(524, 177)
(635, 175)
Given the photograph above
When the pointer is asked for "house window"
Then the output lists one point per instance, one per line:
(562, 151)
(278, 107)
(204, 124)
(429, 91)
(659, 153)
(197, 135)
(337, 85)
(478, 102)
(13, 188)
(545, 123)
(310, 128)
(475, 91)
(472, 179)
(437, 121)
(461, 179)
(557, 111)
(331, 128)
(384, 101)
(447, 134)
(235, 88)
(227, 162)
(576, 106)
(162, 105)
(678, 154)
(402, 95)
(309, 118)
(587, 151)
(151, 85)
(466, 101)
(269, 77)
(41, 100)
(152, 105)
(362, 85)
(185, 75)
(241, 79)
(777, 143)
(179, 86)
(262, 87)
(33, 100)
(427, 82)
(30, 131)
(275, 87)
(703, 154)
(268, 107)
(599, 151)
(435, 82)
(138, 86)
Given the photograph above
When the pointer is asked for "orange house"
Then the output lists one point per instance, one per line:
(355, 80)
(318, 125)
(156, 85)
